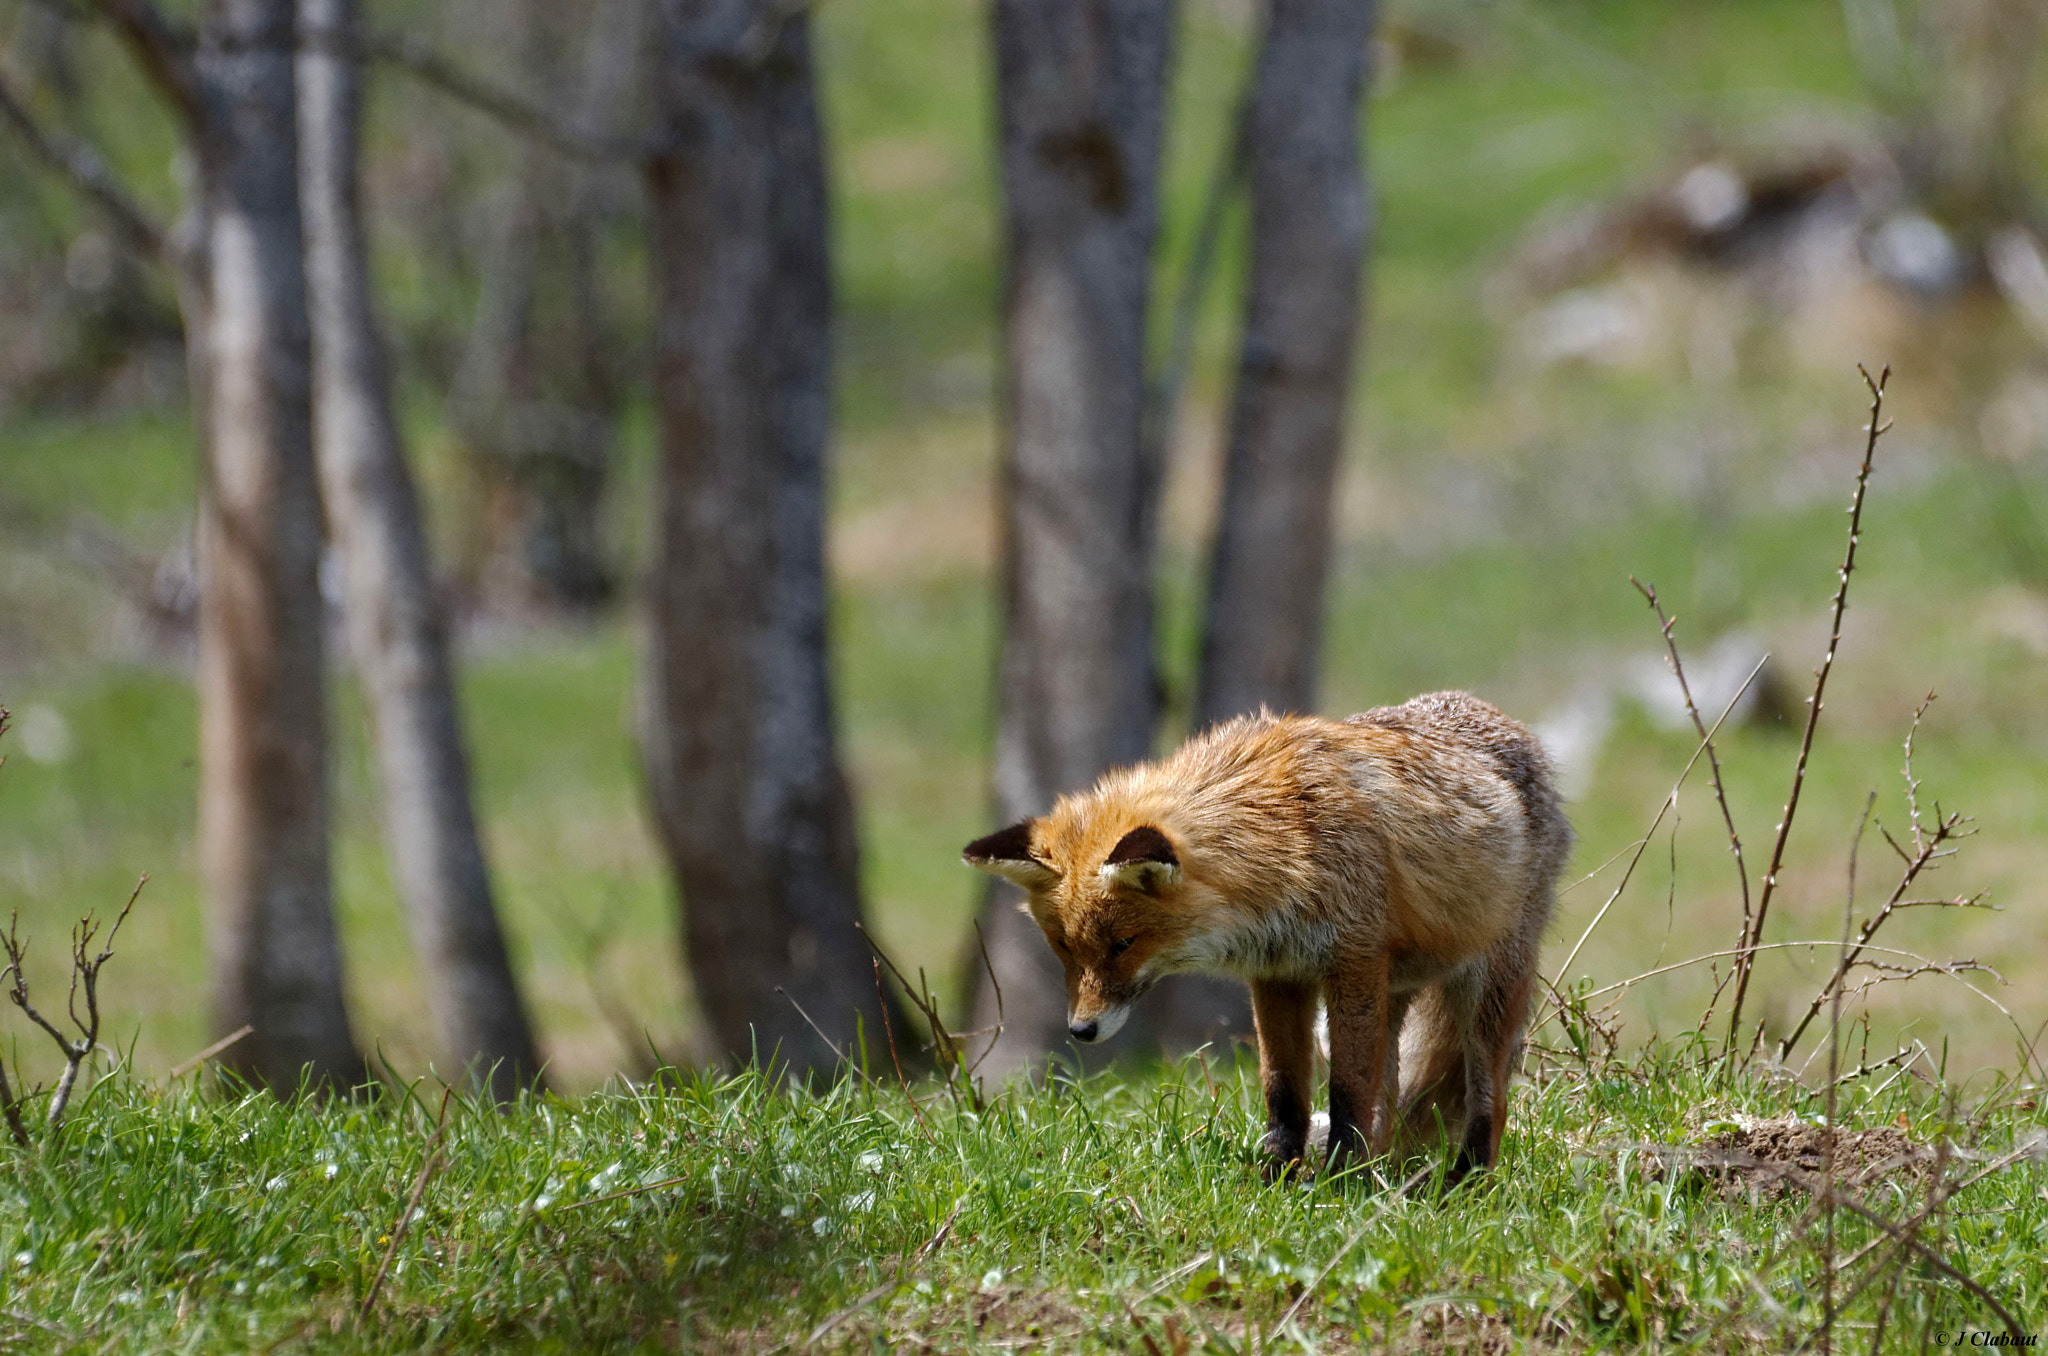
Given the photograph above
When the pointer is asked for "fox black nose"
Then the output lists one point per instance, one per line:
(1082, 1031)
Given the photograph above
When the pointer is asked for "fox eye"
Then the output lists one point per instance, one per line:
(1117, 948)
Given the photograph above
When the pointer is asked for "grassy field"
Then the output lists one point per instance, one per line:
(1111, 1216)
(1490, 517)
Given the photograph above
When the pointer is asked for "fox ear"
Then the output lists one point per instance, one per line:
(1007, 853)
(1142, 859)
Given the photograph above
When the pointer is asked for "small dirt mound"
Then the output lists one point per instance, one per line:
(1778, 1157)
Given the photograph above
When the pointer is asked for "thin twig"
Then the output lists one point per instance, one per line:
(1945, 831)
(1649, 592)
(1952, 969)
(1670, 800)
(1867, 1067)
(1400, 1193)
(839, 1316)
(85, 978)
(903, 1271)
(829, 1044)
(1827, 1311)
(162, 50)
(1927, 851)
(9, 1106)
(945, 1046)
(87, 172)
(1152, 1348)
(1789, 1172)
(937, 1240)
(994, 1033)
(516, 111)
(31, 1321)
(183, 1067)
(889, 1034)
(1745, 963)
(429, 1165)
(622, 1195)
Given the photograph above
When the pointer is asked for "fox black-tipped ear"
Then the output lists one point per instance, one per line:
(1007, 853)
(1142, 859)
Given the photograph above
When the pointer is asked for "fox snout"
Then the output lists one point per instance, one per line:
(1097, 1026)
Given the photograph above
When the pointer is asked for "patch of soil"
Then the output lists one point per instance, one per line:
(1771, 1159)
(1444, 1329)
(1014, 1316)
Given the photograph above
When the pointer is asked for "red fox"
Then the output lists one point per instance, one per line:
(1403, 858)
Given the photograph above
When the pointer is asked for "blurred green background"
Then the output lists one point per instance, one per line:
(1519, 447)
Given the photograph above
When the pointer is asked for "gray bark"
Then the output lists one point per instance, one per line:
(538, 393)
(1080, 91)
(263, 823)
(1310, 221)
(395, 621)
(742, 764)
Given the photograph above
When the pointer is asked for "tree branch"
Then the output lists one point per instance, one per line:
(87, 173)
(162, 51)
(1649, 592)
(1746, 961)
(515, 110)
(85, 976)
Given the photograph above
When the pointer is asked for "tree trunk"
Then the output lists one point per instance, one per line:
(742, 764)
(538, 394)
(394, 616)
(1310, 219)
(1080, 90)
(263, 726)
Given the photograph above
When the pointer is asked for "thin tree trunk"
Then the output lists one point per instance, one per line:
(742, 764)
(395, 619)
(1080, 90)
(537, 397)
(1310, 221)
(263, 778)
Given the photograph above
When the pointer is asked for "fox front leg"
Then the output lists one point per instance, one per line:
(1285, 1016)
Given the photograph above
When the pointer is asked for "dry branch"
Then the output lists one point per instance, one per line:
(9, 1106)
(1929, 848)
(227, 1042)
(83, 167)
(430, 1163)
(1670, 800)
(946, 1047)
(85, 980)
(162, 51)
(1666, 623)
(1902, 1234)
(1953, 969)
(1745, 962)
(516, 111)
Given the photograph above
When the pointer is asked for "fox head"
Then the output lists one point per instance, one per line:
(1108, 908)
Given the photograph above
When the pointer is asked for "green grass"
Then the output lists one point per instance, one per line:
(736, 1215)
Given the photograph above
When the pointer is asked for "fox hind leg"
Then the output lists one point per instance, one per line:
(1492, 1009)
(1387, 1120)
(1465, 995)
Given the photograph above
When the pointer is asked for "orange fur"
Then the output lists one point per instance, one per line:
(1406, 855)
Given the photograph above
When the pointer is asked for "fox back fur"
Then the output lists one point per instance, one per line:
(1398, 866)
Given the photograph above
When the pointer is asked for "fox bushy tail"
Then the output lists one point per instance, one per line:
(1432, 1073)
